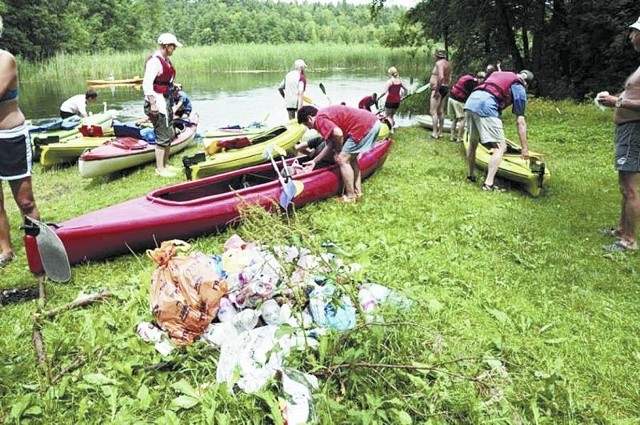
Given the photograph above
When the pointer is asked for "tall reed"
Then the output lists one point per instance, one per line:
(230, 58)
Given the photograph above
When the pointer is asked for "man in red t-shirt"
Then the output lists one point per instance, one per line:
(368, 101)
(347, 132)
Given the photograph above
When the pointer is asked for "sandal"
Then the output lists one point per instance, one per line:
(619, 246)
(608, 231)
(6, 259)
(344, 199)
(491, 188)
(471, 179)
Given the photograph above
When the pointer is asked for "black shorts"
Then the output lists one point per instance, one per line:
(392, 105)
(15, 160)
(443, 90)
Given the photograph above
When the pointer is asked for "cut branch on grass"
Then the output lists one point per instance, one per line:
(39, 345)
(78, 362)
(80, 302)
(328, 371)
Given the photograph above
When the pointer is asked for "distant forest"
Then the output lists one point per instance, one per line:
(39, 29)
(574, 47)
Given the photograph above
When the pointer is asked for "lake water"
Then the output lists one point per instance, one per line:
(219, 99)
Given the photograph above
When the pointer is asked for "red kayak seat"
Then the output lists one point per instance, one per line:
(130, 143)
(235, 143)
(91, 131)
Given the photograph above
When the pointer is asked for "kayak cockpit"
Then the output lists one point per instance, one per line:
(204, 190)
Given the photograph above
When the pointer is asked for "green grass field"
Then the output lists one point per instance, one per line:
(518, 314)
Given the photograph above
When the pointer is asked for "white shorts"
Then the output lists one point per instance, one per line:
(486, 130)
(455, 109)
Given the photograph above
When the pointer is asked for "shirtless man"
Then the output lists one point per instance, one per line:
(627, 151)
(15, 161)
(440, 81)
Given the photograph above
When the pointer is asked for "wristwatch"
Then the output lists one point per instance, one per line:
(619, 102)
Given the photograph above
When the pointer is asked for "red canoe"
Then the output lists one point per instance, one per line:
(190, 209)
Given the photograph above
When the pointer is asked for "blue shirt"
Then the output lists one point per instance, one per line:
(186, 103)
(484, 104)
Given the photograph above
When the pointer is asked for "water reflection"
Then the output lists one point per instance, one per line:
(220, 100)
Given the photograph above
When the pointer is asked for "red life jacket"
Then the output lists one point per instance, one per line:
(498, 84)
(163, 82)
(462, 88)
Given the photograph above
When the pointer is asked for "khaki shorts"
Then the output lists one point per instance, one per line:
(486, 130)
(162, 123)
(455, 109)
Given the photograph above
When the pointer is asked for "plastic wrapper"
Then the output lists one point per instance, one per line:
(185, 291)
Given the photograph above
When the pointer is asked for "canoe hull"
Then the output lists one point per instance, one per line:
(531, 174)
(103, 119)
(190, 209)
(109, 158)
(68, 151)
(426, 122)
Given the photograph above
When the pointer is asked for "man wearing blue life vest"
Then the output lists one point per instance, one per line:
(157, 85)
(483, 110)
(181, 103)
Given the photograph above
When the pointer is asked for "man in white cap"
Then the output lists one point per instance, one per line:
(627, 153)
(157, 85)
(292, 88)
(483, 110)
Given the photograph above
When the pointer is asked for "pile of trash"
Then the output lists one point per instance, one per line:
(256, 305)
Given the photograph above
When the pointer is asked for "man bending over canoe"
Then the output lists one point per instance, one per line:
(159, 75)
(627, 152)
(77, 105)
(482, 113)
(347, 132)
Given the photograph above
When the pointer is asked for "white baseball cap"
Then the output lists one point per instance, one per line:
(168, 38)
(635, 25)
(299, 63)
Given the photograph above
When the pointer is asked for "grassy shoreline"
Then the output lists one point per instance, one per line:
(517, 311)
(230, 58)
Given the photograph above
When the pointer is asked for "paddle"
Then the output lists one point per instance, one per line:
(325, 92)
(52, 253)
(287, 174)
(418, 90)
(288, 188)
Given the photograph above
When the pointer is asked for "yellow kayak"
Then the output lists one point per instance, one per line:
(124, 82)
(69, 151)
(532, 174)
(104, 120)
(202, 164)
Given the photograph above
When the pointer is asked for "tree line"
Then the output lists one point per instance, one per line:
(575, 47)
(38, 29)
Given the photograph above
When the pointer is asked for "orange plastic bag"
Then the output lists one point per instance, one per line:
(185, 291)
